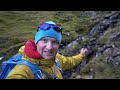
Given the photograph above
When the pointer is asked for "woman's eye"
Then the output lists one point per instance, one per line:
(44, 40)
(55, 42)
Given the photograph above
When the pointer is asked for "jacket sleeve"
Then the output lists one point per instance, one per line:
(69, 62)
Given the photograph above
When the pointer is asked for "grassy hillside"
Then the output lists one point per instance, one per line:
(18, 26)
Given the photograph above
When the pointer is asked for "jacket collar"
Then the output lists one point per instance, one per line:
(39, 62)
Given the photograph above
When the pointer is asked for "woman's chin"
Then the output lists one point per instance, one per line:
(48, 57)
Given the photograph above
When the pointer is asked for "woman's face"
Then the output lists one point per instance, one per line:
(47, 47)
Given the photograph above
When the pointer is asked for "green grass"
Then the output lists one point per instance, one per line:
(102, 70)
(18, 26)
(106, 37)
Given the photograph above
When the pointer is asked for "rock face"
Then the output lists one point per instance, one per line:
(108, 47)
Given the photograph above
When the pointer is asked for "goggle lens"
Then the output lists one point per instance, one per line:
(46, 26)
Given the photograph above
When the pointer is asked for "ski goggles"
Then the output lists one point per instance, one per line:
(46, 26)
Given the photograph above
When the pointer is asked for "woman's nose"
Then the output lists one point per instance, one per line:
(49, 46)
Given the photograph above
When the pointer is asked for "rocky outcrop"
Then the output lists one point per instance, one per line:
(109, 50)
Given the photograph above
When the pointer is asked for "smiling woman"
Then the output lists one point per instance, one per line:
(43, 53)
(48, 47)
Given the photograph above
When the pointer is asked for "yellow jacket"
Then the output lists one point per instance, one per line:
(24, 72)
